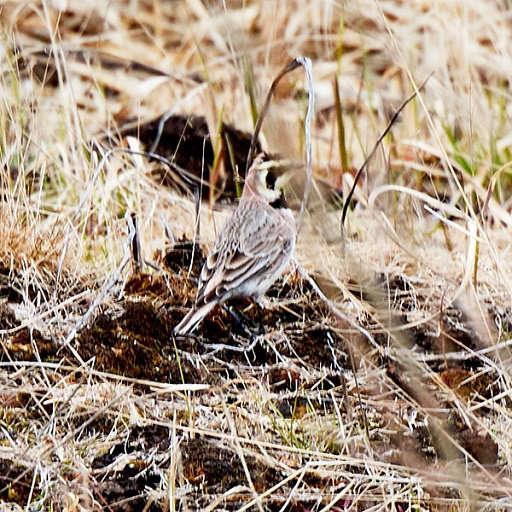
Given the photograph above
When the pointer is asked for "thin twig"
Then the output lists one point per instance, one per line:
(377, 144)
(334, 308)
(108, 286)
(294, 64)
(307, 132)
(136, 248)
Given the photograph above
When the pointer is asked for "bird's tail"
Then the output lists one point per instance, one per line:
(193, 318)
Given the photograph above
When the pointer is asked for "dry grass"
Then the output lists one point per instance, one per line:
(387, 389)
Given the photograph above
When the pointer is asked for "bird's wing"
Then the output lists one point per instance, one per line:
(249, 248)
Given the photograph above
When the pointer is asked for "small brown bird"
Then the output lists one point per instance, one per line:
(252, 249)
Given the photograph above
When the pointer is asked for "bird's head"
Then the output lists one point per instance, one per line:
(266, 180)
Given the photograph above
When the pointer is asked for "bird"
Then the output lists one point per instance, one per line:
(252, 249)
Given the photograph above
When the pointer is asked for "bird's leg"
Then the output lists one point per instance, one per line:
(250, 327)
(260, 308)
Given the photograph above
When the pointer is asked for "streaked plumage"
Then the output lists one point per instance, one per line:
(250, 252)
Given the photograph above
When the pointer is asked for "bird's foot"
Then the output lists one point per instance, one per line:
(249, 327)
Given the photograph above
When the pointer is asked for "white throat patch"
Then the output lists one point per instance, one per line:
(261, 186)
